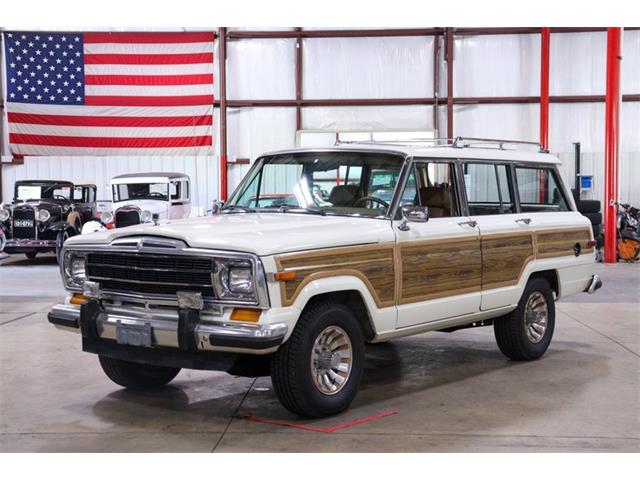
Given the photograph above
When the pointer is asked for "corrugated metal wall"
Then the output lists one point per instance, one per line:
(203, 172)
(500, 65)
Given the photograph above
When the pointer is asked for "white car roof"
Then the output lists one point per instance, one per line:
(443, 151)
(152, 177)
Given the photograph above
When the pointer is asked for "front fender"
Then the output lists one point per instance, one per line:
(383, 319)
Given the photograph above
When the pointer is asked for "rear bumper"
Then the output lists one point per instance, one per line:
(28, 245)
(182, 330)
(594, 284)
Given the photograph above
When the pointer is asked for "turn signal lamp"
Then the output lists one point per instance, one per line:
(245, 314)
(78, 299)
(284, 276)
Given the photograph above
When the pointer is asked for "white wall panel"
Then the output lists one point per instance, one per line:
(630, 76)
(578, 63)
(496, 65)
(345, 118)
(512, 122)
(368, 67)
(203, 171)
(253, 131)
(261, 69)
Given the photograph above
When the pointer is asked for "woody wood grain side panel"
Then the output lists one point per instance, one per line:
(374, 265)
(560, 242)
(439, 268)
(504, 256)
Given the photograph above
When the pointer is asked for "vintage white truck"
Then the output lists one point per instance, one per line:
(470, 235)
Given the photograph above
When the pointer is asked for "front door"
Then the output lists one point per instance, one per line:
(439, 263)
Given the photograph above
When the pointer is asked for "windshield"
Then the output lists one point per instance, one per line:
(140, 191)
(342, 183)
(25, 193)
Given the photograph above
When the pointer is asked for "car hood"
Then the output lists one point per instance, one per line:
(258, 233)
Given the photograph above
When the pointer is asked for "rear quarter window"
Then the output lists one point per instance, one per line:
(540, 190)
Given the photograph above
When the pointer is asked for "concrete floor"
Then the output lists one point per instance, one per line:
(451, 391)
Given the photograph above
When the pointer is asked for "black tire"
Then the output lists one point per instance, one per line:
(594, 218)
(31, 255)
(291, 372)
(136, 376)
(588, 206)
(511, 330)
(62, 237)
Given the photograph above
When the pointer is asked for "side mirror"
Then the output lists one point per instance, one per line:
(416, 213)
(216, 206)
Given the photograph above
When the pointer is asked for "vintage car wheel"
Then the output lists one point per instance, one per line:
(62, 237)
(525, 333)
(316, 373)
(136, 376)
(31, 255)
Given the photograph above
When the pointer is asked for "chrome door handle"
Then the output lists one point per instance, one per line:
(526, 221)
(471, 223)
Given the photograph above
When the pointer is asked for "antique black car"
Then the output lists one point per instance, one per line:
(44, 213)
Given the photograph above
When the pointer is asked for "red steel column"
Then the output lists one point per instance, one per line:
(544, 105)
(222, 49)
(611, 138)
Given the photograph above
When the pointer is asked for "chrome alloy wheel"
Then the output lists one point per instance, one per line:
(536, 316)
(331, 360)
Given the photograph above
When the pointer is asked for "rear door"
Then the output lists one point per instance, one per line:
(507, 241)
(439, 264)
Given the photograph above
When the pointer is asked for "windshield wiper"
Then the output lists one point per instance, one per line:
(286, 208)
(238, 209)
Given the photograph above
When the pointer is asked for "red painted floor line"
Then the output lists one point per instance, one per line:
(284, 423)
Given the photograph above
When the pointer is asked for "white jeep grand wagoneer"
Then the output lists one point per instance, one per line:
(318, 252)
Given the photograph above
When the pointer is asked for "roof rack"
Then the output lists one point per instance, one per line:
(458, 142)
(465, 142)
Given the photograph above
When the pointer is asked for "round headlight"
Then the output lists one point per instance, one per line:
(4, 215)
(43, 215)
(145, 216)
(106, 217)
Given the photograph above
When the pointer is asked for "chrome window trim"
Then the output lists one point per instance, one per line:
(136, 245)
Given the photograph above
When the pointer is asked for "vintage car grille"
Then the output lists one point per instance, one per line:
(126, 218)
(24, 223)
(141, 273)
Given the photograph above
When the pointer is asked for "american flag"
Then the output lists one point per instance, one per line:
(109, 93)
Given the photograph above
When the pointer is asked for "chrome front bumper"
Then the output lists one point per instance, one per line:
(18, 245)
(183, 329)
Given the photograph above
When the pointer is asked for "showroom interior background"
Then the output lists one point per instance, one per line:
(261, 73)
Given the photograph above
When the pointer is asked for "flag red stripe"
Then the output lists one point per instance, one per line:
(110, 142)
(138, 59)
(149, 37)
(168, 101)
(201, 79)
(96, 121)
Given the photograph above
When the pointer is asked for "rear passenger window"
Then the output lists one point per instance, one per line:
(539, 190)
(487, 187)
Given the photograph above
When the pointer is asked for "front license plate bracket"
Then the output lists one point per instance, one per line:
(134, 335)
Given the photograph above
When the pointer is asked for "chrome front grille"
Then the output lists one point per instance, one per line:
(24, 223)
(141, 273)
